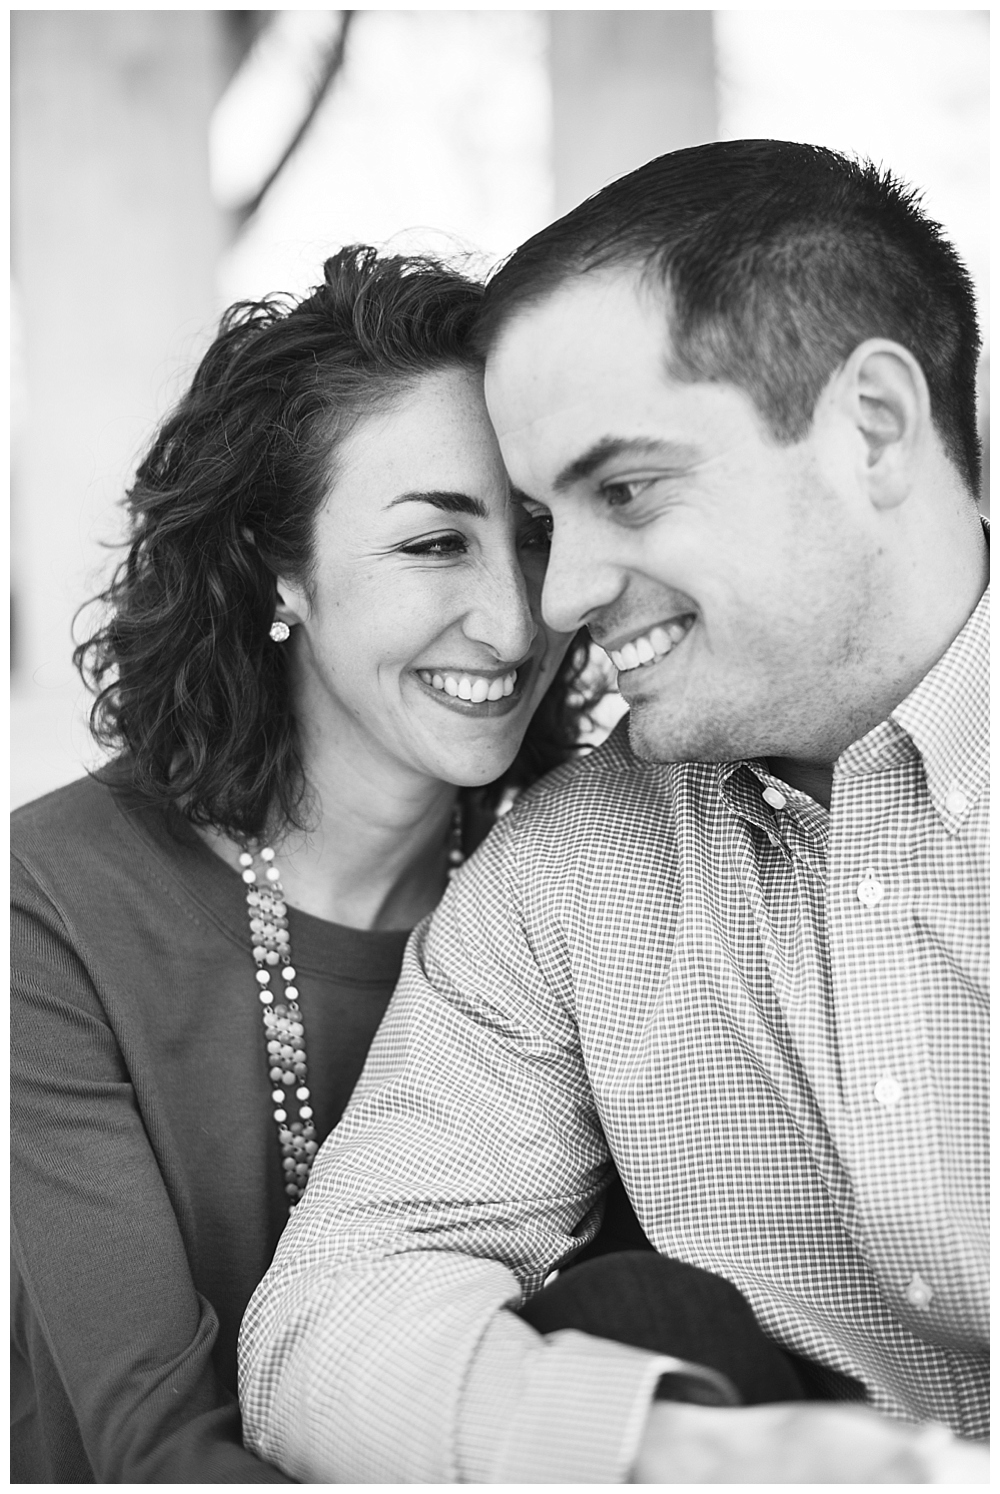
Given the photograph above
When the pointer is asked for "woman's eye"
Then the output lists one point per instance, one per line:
(535, 532)
(436, 544)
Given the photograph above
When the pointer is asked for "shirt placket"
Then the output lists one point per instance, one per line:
(884, 1131)
(786, 897)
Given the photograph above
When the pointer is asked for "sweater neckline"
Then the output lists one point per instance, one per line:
(358, 955)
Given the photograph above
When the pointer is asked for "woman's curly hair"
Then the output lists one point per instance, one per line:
(192, 696)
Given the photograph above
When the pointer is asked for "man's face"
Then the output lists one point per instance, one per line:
(729, 577)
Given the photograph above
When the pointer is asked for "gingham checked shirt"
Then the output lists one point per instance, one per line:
(776, 1020)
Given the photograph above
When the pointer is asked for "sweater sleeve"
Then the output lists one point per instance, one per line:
(380, 1346)
(96, 1240)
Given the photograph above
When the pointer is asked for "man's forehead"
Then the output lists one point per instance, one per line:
(580, 329)
(589, 332)
(581, 303)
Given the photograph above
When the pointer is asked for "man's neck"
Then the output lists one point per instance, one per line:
(932, 622)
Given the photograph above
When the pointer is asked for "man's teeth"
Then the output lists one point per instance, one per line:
(649, 646)
(472, 687)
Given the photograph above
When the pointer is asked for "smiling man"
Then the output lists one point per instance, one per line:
(740, 949)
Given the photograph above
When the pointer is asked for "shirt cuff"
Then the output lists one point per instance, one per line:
(580, 1412)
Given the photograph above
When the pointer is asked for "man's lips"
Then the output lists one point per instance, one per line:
(649, 647)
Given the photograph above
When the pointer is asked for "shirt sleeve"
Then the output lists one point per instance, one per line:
(97, 1245)
(471, 1162)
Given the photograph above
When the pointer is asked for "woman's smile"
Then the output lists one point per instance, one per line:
(470, 692)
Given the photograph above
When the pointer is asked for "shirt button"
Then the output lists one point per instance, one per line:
(774, 797)
(870, 890)
(918, 1293)
(956, 802)
(888, 1090)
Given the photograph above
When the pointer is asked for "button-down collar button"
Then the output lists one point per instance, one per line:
(918, 1292)
(888, 1090)
(774, 797)
(870, 890)
(956, 802)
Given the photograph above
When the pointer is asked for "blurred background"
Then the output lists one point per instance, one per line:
(166, 163)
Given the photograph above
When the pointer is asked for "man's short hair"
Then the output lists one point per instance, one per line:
(777, 259)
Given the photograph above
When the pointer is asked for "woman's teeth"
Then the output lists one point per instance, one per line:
(649, 646)
(471, 687)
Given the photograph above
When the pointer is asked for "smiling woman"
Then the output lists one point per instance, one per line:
(323, 665)
(423, 569)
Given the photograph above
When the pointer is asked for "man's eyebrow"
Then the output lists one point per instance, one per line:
(616, 446)
(450, 503)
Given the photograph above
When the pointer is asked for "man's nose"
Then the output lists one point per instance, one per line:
(579, 580)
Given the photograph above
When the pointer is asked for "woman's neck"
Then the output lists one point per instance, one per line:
(375, 854)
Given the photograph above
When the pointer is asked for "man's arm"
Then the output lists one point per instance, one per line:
(379, 1347)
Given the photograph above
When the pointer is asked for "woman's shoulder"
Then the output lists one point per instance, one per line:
(84, 802)
(83, 812)
(77, 837)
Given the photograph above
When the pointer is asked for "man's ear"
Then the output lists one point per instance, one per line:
(883, 392)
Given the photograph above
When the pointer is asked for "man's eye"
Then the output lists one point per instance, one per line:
(436, 544)
(618, 494)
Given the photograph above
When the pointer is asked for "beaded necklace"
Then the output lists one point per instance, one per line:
(284, 1028)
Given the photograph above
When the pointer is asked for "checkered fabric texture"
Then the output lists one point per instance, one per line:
(773, 1018)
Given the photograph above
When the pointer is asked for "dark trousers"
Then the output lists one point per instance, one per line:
(639, 1297)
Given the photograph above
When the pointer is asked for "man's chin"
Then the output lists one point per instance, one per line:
(656, 736)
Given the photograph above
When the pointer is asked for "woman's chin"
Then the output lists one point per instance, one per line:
(463, 777)
(465, 770)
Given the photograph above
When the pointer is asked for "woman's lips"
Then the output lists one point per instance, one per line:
(508, 689)
(462, 685)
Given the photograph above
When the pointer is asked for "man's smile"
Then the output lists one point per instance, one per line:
(650, 646)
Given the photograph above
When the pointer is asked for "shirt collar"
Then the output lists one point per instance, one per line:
(792, 821)
(946, 718)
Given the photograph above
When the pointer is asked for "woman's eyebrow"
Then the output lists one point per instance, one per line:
(451, 503)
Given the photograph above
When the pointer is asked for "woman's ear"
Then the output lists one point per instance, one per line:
(292, 605)
(886, 398)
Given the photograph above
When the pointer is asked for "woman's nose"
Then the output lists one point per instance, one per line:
(500, 613)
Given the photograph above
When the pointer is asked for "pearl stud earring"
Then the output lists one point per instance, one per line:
(279, 630)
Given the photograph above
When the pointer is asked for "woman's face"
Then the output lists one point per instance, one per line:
(420, 644)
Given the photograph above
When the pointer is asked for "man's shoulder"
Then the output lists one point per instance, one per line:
(609, 792)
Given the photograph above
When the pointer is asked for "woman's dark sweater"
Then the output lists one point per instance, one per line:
(146, 1177)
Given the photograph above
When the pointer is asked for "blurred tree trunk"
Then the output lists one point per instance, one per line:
(628, 85)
